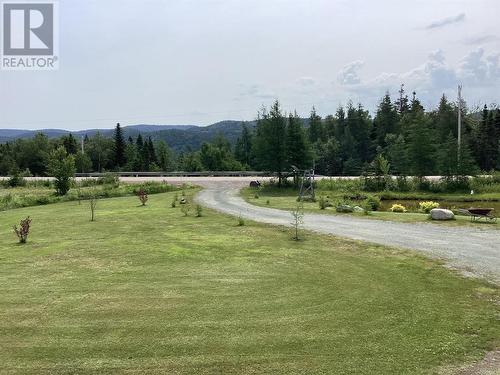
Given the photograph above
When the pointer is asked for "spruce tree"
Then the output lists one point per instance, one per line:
(119, 147)
(420, 147)
(70, 144)
(398, 154)
(270, 141)
(316, 132)
(386, 120)
(297, 148)
(445, 119)
(243, 147)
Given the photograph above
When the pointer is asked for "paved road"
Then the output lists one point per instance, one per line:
(474, 251)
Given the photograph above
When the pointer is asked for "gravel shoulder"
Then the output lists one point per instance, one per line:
(473, 251)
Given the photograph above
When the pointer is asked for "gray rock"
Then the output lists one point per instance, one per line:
(358, 209)
(344, 208)
(441, 214)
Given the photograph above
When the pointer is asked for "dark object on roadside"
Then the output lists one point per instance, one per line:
(255, 184)
(24, 230)
(477, 214)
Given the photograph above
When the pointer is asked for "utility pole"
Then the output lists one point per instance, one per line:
(459, 120)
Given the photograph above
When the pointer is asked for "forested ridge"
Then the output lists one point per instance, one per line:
(401, 138)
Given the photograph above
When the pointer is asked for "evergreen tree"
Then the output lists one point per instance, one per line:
(420, 147)
(398, 154)
(445, 119)
(70, 144)
(451, 162)
(487, 141)
(243, 147)
(402, 104)
(119, 147)
(141, 155)
(297, 148)
(151, 151)
(316, 132)
(133, 164)
(270, 141)
(329, 126)
(386, 120)
(328, 158)
(340, 123)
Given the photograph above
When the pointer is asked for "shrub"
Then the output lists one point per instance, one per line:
(109, 179)
(323, 202)
(186, 207)
(16, 179)
(24, 230)
(456, 184)
(256, 196)
(174, 203)
(402, 184)
(427, 206)
(372, 203)
(199, 210)
(397, 208)
(143, 196)
(241, 221)
(374, 183)
(268, 202)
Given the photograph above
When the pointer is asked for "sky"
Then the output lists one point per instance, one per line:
(202, 61)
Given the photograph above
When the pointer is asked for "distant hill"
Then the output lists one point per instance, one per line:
(179, 137)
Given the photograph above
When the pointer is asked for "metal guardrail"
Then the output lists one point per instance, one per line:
(183, 174)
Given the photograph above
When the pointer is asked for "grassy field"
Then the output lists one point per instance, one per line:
(145, 290)
(286, 199)
(42, 192)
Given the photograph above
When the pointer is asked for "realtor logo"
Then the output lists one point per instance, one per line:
(30, 36)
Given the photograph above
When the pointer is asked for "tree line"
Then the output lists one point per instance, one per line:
(402, 136)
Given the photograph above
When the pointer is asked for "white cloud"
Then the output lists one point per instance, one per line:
(446, 21)
(476, 70)
(348, 75)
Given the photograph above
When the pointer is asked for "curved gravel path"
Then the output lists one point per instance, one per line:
(474, 251)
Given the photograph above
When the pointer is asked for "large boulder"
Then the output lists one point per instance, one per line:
(441, 214)
(344, 208)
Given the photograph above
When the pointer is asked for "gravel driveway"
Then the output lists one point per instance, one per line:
(474, 251)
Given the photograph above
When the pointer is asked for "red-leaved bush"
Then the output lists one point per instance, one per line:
(143, 196)
(24, 230)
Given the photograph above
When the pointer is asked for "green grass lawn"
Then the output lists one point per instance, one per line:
(287, 200)
(145, 290)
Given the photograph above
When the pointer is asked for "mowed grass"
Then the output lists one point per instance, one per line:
(145, 290)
